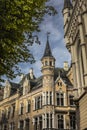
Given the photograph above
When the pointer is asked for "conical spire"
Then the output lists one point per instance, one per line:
(67, 4)
(47, 51)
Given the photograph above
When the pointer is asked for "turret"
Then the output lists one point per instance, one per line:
(67, 9)
(48, 65)
(48, 61)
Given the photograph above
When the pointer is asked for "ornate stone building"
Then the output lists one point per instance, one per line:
(75, 28)
(44, 103)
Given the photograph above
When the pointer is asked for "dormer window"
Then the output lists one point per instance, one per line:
(25, 90)
(6, 92)
(59, 83)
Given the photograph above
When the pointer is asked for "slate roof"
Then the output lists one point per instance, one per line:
(1, 93)
(47, 51)
(14, 87)
(67, 4)
(37, 82)
(62, 73)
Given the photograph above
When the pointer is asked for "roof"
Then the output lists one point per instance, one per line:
(67, 4)
(47, 51)
(14, 87)
(36, 83)
(28, 77)
(63, 74)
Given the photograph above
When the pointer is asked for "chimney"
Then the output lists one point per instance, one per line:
(31, 73)
(22, 76)
(66, 66)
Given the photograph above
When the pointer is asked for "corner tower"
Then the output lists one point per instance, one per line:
(67, 10)
(48, 61)
(48, 66)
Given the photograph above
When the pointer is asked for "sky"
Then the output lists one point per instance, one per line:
(54, 25)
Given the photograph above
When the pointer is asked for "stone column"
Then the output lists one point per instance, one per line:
(85, 18)
(45, 98)
(38, 124)
(24, 124)
(83, 48)
(33, 103)
(74, 69)
(52, 99)
(53, 120)
(67, 121)
(65, 99)
(64, 121)
(81, 72)
(18, 124)
(40, 101)
(9, 127)
(43, 121)
(48, 97)
(33, 123)
(78, 69)
(42, 98)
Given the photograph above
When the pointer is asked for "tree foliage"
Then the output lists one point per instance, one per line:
(18, 20)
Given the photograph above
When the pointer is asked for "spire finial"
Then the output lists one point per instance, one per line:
(48, 33)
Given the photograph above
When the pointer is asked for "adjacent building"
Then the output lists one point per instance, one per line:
(75, 28)
(43, 103)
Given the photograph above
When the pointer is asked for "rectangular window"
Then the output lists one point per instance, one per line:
(51, 120)
(38, 102)
(60, 99)
(72, 121)
(5, 127)
(60, 121)
(40, 122)
(47, 120)
(21, 109)
(36, 123)
(27, 123)
(28, 106)
(47, 98)
(50, 98)
(9, 110)
(21, 124)
(13, 110)
(12, 126)
(71, 102)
